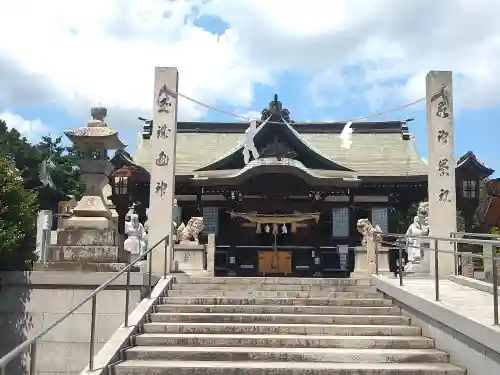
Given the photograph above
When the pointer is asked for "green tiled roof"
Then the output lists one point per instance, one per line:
(371, 154)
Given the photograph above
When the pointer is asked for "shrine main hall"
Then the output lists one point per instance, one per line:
(300, 200)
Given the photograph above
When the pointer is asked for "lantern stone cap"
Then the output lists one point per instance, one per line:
(96, 132)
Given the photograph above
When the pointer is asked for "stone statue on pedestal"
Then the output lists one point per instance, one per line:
(366, 228)
(188, 234)
(419, 228)
(134, 244)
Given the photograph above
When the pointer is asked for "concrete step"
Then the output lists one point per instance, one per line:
(317, 301)
(272, 294)
(339, 355)
(158, 367)
(282, 329)
(276, 287)
(277, 281)
(288, 341)
(281, 318)
(279, 309)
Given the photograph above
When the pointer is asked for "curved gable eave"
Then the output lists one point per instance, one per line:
(123, 158)
(318, 154)
(275, 166)
(470, 159)
(329, 164)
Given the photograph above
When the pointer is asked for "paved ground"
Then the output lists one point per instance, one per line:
(469, 302)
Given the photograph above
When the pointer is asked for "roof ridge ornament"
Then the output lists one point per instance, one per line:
(276, 108)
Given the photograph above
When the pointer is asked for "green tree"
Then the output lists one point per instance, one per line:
(18, 216)
(28, 157)
(65, 175)
(495, 230)
(400, 220)
(18, 201)
(461, 227)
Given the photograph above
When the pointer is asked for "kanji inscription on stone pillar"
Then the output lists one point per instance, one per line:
(441, 177)
(162, 186)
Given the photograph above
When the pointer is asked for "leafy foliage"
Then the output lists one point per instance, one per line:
(400, 220)
(494, 230)
(19, 174)
(461, 226)
(28, 157)
(18, 215)
(65, 176)
(24, 155)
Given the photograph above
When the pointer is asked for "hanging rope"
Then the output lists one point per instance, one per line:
(345, 135)
(363, 118)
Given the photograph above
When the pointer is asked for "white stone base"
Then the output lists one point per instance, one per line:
(189, 257)
(423, 265)
(362, 261)
(82, 222)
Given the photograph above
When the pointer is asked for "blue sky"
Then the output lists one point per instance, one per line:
(235, 56)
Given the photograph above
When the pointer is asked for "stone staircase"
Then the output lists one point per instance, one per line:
(285, 326)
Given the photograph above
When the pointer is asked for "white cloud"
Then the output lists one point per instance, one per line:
(76, 53)
(391, 43)
(85, 52)
(31, 129)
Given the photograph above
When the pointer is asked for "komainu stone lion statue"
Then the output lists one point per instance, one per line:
(366, 228)
(189, 233)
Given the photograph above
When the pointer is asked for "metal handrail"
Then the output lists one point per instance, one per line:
(446, 239)
(456, 255)
(30, 344)
(479, 235)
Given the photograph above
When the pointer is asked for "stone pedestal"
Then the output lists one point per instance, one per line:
(424, 264)
(467, 266)
(91, 212)
(361, 264)
(85, 245)
(441, 185)
(190, 258)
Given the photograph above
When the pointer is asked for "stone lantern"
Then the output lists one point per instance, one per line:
(89, 241)
(92, 142)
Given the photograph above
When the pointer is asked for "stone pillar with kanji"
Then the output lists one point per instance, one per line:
(163, 144)
(441, 156)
